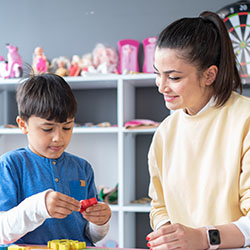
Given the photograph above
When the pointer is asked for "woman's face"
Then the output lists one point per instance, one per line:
(180, 83)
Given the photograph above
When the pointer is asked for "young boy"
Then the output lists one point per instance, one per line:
(41, 185)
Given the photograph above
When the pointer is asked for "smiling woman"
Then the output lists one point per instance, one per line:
(199, 156)
(180, 82)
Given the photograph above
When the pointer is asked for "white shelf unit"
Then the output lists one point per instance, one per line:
(111, 151)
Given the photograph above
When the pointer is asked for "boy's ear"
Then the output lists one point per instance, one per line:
(22, 125)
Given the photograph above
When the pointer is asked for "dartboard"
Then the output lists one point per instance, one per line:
(236, 16)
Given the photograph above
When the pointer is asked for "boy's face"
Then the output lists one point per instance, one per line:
(47, 138)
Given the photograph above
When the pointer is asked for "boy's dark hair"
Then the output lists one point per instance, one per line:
(204, 41)
(47, 96)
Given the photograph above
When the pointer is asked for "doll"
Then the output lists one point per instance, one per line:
(87, 64)
(39, 61)
(60, 66)
(63, 65)
(75, 69)
(105, 59)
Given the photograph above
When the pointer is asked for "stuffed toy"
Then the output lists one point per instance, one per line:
(105, 59)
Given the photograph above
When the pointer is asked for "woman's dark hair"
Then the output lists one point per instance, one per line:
(204, 41)
(46, 96)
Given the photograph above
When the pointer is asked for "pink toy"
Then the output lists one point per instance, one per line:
(105, 59)
(128, 51)
(142, 123)
(74, 69)
(39, 61)
(13, 68)
(149, 49)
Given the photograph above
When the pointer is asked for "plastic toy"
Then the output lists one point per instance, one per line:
(110, 244)
(149, 49)
(16, 247)
(109, 195)
(128, 51)
(87, 64)
(65, 244)
(141, 123)
(105, 59)
(74, 69)
(13, 67)
(39, 61)
(60, 66)
(87, 203)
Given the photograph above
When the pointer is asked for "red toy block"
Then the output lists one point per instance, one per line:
(87, 203)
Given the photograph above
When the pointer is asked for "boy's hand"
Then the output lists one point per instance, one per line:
(60, 205)
(98, 214)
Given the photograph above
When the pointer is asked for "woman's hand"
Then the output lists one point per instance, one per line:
(177, 236)
(60, 205)
(98, 214)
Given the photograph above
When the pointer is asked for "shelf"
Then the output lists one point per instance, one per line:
(114, 208)
(92, 81)
(7, 131)
(137, 208)
(95, 130)
(10, 131)
(139, 131)
(115, 153)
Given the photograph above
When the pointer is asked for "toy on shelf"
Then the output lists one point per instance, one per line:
(105, 59)
(75, 69)
(128, 52)
(40, 64)
(13, 67)
(143, 200)
(149, 49)
(60, 66)
(109, 195)
(141, 124)
(65, 244)
(87, 203)
(87, 64)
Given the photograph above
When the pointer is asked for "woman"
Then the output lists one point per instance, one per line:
(199, 159)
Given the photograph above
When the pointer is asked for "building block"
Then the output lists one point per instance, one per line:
(87, 203)
(16, 247)
(65, 244)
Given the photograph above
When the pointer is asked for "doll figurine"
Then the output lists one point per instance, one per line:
(105, 59)
(87, 64)
(61, 70)
(39, 61)
(75, 69)
(60, 66)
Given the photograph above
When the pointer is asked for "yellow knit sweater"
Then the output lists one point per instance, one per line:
(200, 166)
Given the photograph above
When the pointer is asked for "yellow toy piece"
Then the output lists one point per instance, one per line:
(65, 244)
(16, 247)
